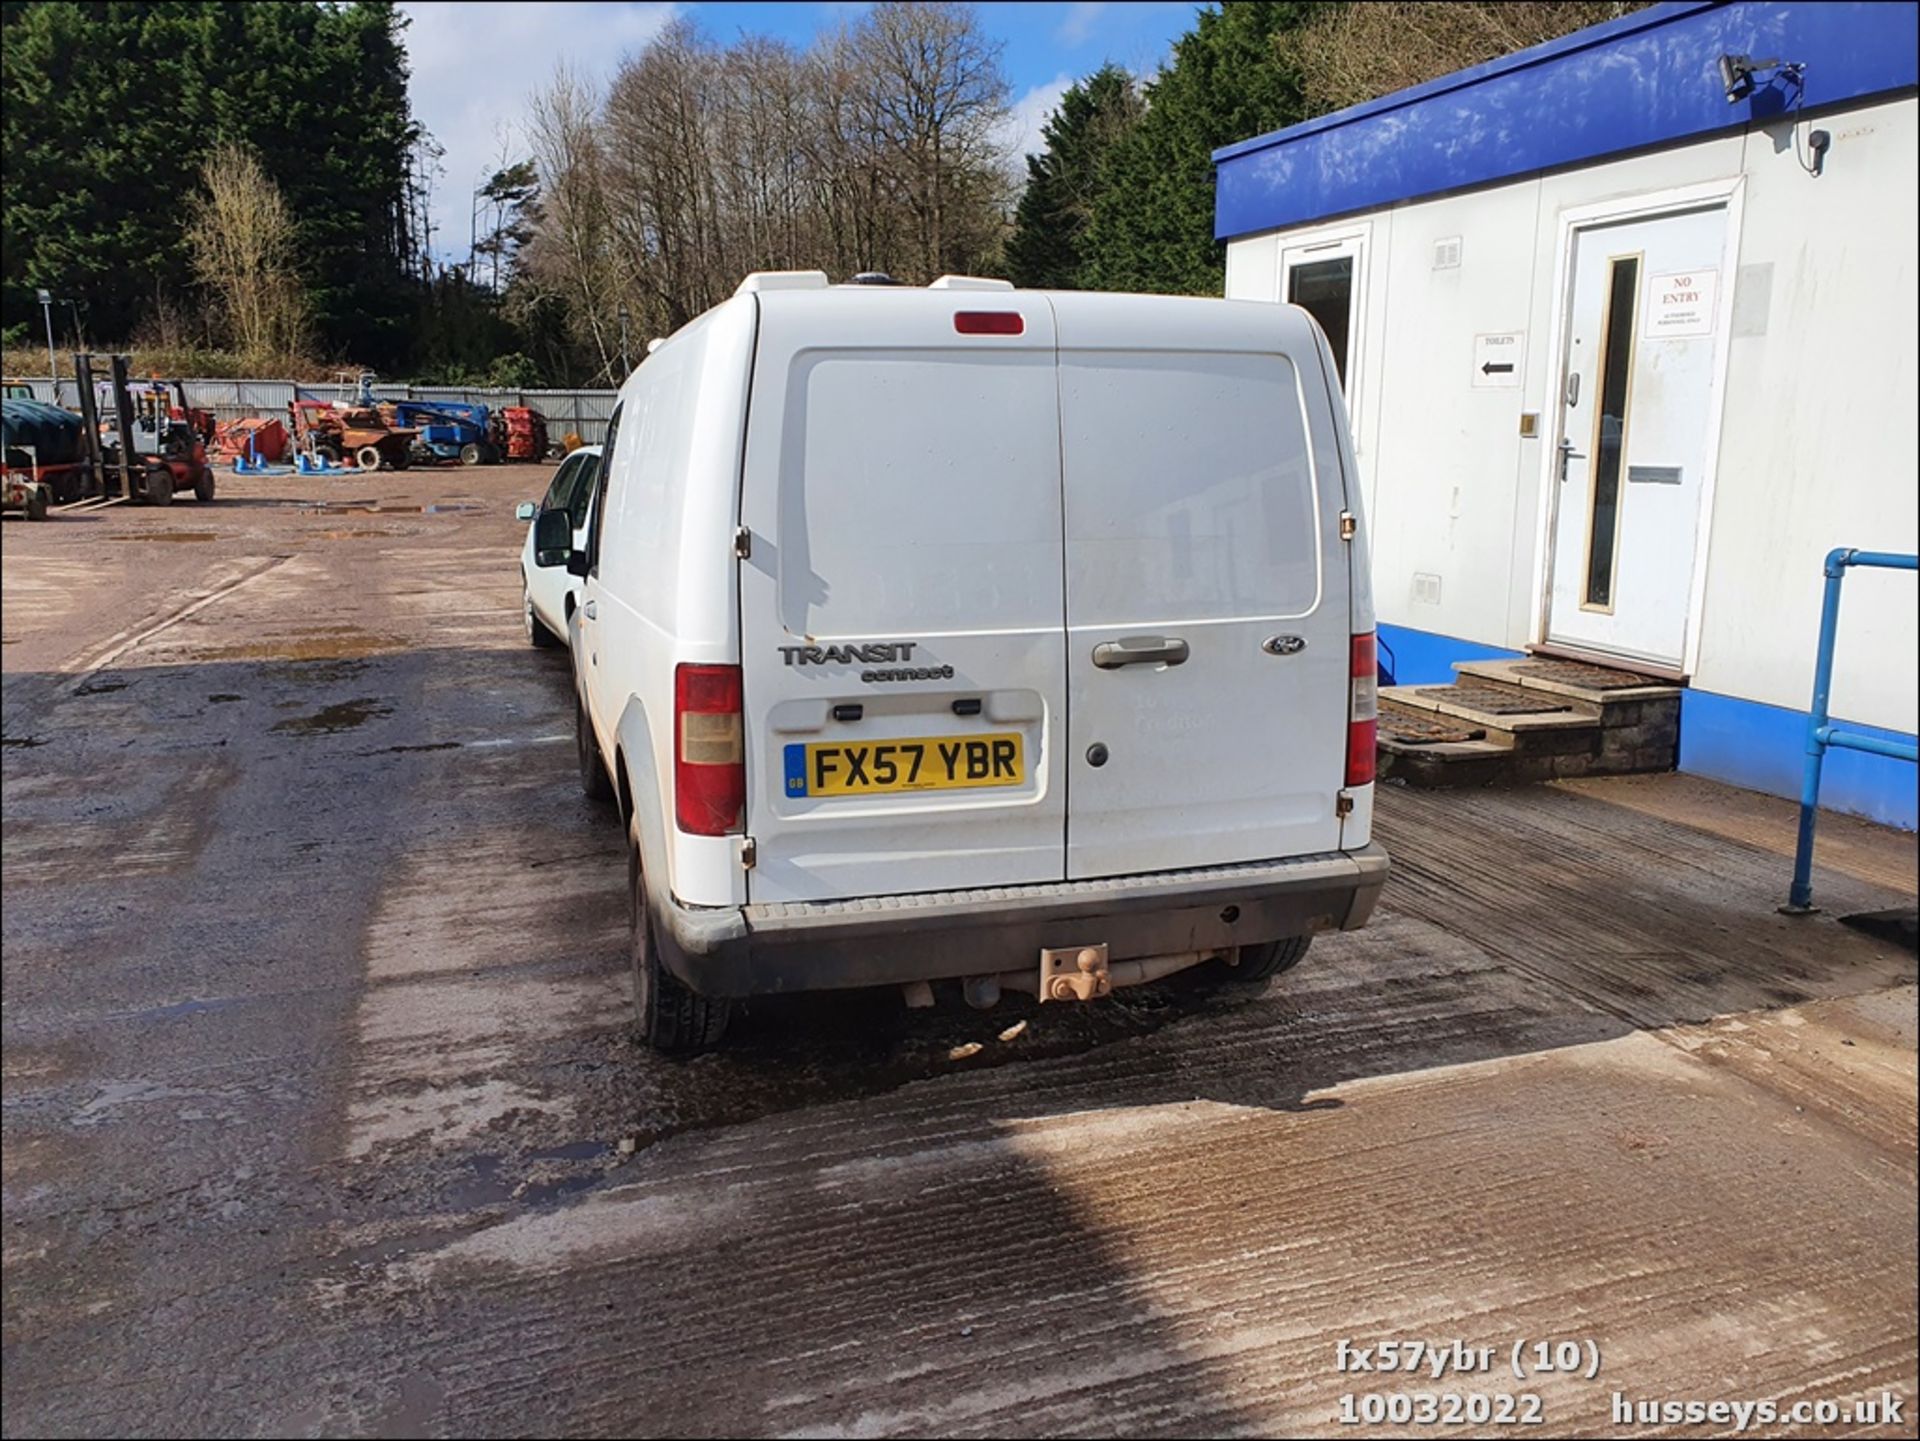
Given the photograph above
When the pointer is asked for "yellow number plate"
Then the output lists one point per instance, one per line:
(915, 763)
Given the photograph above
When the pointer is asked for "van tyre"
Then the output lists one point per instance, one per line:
(593, 773)
(1260, 964)
(673, 1020)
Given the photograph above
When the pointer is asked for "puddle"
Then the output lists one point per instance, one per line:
(402, 750)
(224, 698)
(329, 643)
(100, 687)
(374, 507)
(345, 715)
(486, 1186)
(572, 1151)
(187, 1008)
(21, 741)
(178, 537)
(354, 534)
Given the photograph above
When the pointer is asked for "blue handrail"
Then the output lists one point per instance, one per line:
(1821, 734)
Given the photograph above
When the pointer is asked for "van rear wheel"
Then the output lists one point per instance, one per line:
(1260, 964)
(593, 773)
(673, 1020)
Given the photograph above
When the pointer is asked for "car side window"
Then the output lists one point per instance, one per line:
(563, 480)
(600, 492)
(580, 490)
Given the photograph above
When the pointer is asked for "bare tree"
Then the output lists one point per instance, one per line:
(880, 147)
(933, 99)
(1356, 52)
(243, 249)
(570, 255)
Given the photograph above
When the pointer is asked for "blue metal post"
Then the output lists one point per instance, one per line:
(1820, 734)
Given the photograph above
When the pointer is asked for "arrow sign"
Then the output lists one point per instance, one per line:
(1496, 360)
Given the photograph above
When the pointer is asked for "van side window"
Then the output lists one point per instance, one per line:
(600, 492)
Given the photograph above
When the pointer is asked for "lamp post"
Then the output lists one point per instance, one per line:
(46, 309)
(625, 368)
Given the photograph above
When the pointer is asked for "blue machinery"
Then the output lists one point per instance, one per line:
(1822, 734)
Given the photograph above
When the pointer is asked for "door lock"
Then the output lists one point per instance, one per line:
(1567, 453)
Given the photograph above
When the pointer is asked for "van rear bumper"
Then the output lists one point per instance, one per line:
(939, 935)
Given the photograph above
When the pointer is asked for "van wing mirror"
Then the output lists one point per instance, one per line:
(553, 538)
(526, 510)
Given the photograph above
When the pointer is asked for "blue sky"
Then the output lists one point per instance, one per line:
(474, 65)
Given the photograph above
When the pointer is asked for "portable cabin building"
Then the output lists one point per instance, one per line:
(1627, 327)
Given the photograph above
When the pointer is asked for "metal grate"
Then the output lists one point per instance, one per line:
(1593, 677)
(1426, 730)
(1496, 699)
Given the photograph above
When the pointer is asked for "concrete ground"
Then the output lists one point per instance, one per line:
(319, 1085)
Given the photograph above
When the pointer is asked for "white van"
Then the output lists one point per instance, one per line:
(1011, 637)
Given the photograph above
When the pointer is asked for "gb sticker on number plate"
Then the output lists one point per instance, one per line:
(914, 763)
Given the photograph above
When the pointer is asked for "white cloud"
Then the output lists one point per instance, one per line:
(1029, 114)
(476, 66)
(1079, 22)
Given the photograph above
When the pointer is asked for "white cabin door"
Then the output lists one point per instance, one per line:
(1635, 414)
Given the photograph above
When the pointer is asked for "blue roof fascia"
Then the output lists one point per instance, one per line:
(1646, 79)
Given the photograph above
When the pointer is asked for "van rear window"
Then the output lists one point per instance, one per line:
(920, 492)
(1189, 485)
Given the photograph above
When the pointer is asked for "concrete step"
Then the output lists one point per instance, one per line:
(1513, 722)
(1496, 706)
(1570, 680)
(1434, 764)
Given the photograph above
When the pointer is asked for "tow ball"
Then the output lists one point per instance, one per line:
(1074, 973)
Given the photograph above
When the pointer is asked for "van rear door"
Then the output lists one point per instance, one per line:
(1206, 586)
(901, 602)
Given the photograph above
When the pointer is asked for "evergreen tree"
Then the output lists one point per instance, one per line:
(1228, 81)
(1064, 181)
(108, 110)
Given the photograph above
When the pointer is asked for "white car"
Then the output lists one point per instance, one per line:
(967, 634)
(548, 595)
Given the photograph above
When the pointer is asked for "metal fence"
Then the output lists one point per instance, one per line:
(581, 412)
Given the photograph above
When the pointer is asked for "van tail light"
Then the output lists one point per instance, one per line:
(990, 322)
(1363, 709)
(709, 750)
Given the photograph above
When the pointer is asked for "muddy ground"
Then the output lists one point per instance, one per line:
(323, 1112)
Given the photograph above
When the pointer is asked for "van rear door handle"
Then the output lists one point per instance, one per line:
(1140, 650)
(591, 610)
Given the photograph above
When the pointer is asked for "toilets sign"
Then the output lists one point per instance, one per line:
(1680, 304)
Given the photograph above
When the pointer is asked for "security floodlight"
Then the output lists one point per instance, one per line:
(1737, 73)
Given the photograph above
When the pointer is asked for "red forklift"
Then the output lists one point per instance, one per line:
(149, 448)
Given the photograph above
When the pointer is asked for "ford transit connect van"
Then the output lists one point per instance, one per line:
(972, 634)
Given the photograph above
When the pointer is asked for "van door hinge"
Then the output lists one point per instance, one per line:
(748, 852)
(1343, 805)
(743, 542)
(1348, 525)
